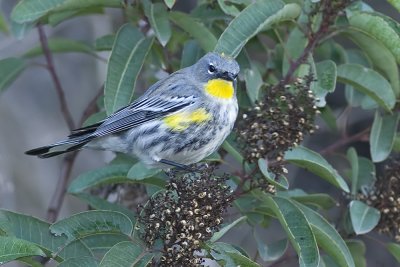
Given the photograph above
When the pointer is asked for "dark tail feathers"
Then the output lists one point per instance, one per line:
(77, 140)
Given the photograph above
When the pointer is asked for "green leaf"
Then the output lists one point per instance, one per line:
(230, 256)
(254, 81)
(12, 248)
(247, 24)
(140, 171)
(228, 9)
(315, 163)
(104, 43)
(297, 228)
(3, 24)
(272, 251)
(96, 117)
(368, 82)
(353, 158)
(30, 11)
(126, 254)
(10, 68)
(102, 204)
(191, 53)
(363, 217)
(108, 174)
(226, 228)
(294, 47)
(101, 243)
(158, 18)
(92, 222)
(395, 4)
(378, 28)
(228, 147)
(36, 231)
(380, 57)
(281, 181)
(357, 250)
(382, 136)
(328, 238)
(61, 45)
(76, 262)
(20, 30)
(394, 249)
(170, 3)
(326, 80)
(127, 58)
(319, 200)
(194, 28)
(329, 118)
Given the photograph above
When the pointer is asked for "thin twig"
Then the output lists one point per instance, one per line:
(344, 141)
(60, 92)
(58, 195)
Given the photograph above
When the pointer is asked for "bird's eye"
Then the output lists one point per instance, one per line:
(211, 69)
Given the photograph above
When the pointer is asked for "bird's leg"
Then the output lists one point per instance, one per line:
(177, 165)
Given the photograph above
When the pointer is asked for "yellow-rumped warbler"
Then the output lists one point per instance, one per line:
(179, 120)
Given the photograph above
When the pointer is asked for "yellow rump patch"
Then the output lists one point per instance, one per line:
(220, 88)
(182, 120)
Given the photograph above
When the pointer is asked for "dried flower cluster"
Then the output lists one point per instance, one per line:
(278, 123)
(188, 213)
(386, 198)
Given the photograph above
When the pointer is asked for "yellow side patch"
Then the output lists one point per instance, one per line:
(220, 88)
(182, 120)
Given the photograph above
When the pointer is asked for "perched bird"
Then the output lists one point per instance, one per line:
(178, 121)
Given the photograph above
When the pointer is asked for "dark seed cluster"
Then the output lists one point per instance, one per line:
(278, 123)
(183, 216)
(386, 198)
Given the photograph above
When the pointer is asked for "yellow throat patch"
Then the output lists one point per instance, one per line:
(182, 120)
(220, 88)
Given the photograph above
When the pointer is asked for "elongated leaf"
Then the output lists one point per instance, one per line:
(294, 46)
(353, 158)
(316, 164)
(158, 18)
(368, 82)
(102, 204)
(20, 30)
(298, 229)
(226, 228)
(230, 256)
(101, 243)
(363, 217)
(12, 248)
(170, 3)
(92, 222)
(140, 171)
(190, 54)
(322, 201)
(246, 25)
(382, 136)
(394, 249)
(197, 30)
(105, 42)
(30, 11)
(280, 182)
(254, 81)
(108, 174)
(126, 254)
(380, 57)
(326, 80)
(396, 4)
(3, 24)
(57, 17)
(379, 29)
(272, 251)
(36, 231)
(10, 68)
(76, 262)
(328, 238)
(61, 45)
(228, 9)
(127, 57)
(357, 250)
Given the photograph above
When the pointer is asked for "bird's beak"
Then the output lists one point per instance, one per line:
(227, 76)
